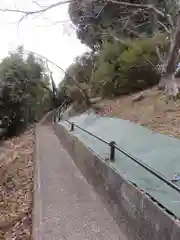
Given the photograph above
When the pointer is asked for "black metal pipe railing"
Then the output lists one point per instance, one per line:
(149, 169)
(93, 135)
(113, 146)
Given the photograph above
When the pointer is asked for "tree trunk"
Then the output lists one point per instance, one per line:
(167, 78)
(153, 18)
(87, 100)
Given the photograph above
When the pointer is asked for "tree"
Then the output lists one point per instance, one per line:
(96, 19)
(162, 15)
(67, 75)
(23, 98)
(159, 15)
(124, 69)
(81, 70)
(54, 88)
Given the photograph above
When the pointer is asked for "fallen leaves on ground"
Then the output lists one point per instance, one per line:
(151, 112)
(16, 185)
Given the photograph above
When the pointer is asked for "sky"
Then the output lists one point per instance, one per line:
(41, 34)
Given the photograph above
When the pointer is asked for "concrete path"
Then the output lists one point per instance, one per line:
(65, 206)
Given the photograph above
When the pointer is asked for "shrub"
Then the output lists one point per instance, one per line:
(137, 66)
(124, 69)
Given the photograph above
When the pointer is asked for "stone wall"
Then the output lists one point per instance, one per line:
(136, 213)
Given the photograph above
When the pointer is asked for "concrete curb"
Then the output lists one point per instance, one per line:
(37, 202)
(136, 213)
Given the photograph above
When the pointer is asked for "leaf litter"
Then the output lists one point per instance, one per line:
(16, 187)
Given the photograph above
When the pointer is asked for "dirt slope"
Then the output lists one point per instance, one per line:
(152, 111)
(16, 173)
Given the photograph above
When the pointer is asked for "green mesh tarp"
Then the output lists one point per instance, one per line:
(159, 151)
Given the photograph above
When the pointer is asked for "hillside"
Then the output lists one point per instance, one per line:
(152, 111)
(16, 172)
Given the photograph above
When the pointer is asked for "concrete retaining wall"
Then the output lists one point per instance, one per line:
(137, 214)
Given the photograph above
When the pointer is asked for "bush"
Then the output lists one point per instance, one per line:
(137, 66)
(24, 91)
(125, 69)
(105, 68)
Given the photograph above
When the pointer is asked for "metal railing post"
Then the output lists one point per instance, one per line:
(54, 116)
(72, 127)
(112, 151)
(59, 115)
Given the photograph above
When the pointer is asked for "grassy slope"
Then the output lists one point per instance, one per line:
(152, 112)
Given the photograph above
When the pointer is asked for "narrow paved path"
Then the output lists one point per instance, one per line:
(65, 206)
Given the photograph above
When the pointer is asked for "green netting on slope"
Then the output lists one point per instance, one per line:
(159, 151)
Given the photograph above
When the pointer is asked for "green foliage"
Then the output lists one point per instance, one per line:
(123, 69)
(80, 69)
(77, 79)
(97, 19)
(23, 96)
(137, 66)
(124, 43)
(116, 69)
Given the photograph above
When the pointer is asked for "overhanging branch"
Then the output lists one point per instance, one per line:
(142, 6)
(165, 28)
(42, 10)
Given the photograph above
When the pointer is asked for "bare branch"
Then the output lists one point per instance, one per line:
(159, 55)
(49, 71)
(140, 25)
(101, 10)
(135, 33)
(27, 13)
(164, 26)
(142, 6)
(53, 86)
(130, 4)
(129, 18)
(38, 4)
(46, 8)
